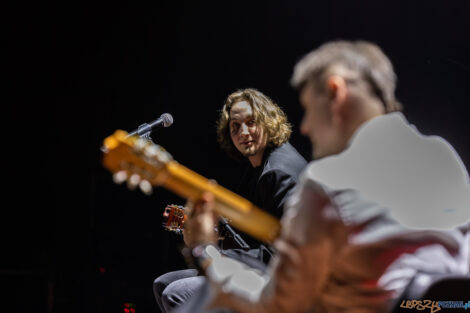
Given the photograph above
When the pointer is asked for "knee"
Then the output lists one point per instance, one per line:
(169, 299)
(158, 287)
(161, 282)
(180, 291)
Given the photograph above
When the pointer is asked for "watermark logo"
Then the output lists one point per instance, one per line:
(434, 306)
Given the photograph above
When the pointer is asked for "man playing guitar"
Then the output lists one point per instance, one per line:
(251, 129)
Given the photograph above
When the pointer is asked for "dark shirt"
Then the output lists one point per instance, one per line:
(269, 185)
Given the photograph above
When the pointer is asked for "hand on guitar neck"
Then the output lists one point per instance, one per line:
(175, 215)
(199, 225)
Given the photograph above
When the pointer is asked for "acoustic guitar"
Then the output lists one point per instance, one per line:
(144, 164)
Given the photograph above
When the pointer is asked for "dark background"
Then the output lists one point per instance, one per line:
(74, 72)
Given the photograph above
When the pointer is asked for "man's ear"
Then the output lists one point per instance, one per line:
(337, 89)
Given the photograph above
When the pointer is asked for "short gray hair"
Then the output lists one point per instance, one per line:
(362, 57)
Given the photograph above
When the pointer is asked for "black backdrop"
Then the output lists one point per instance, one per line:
(74, 72)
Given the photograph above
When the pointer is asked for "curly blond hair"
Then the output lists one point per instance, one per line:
(267, 114)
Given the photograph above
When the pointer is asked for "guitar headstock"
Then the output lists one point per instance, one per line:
(137, 161)
(174, 217)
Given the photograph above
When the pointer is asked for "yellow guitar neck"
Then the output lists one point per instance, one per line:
(121, 154)
(242, 213)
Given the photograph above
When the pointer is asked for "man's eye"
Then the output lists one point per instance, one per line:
(234, 127)
(251, 123)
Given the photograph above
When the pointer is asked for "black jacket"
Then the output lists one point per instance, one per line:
(269, 185)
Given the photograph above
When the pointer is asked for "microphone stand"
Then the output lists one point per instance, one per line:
(236, 237)
(144, 131)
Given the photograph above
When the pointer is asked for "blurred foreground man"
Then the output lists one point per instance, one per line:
(380, 203)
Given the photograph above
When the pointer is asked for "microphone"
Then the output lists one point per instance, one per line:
(144, 130)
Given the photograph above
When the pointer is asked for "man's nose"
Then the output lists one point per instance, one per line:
(245, 129)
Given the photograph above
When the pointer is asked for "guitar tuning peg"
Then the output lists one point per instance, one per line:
(163, 156)
(133, 181)
(140, 144)
(120, 177)
(146, 187)
(151, 151)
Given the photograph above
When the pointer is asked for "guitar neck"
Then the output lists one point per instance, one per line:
(188, 184)
(243, 214)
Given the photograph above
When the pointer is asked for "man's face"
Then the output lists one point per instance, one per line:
(316, 122)
(248, 137)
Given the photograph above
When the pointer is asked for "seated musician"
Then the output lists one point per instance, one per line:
(251, 129)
